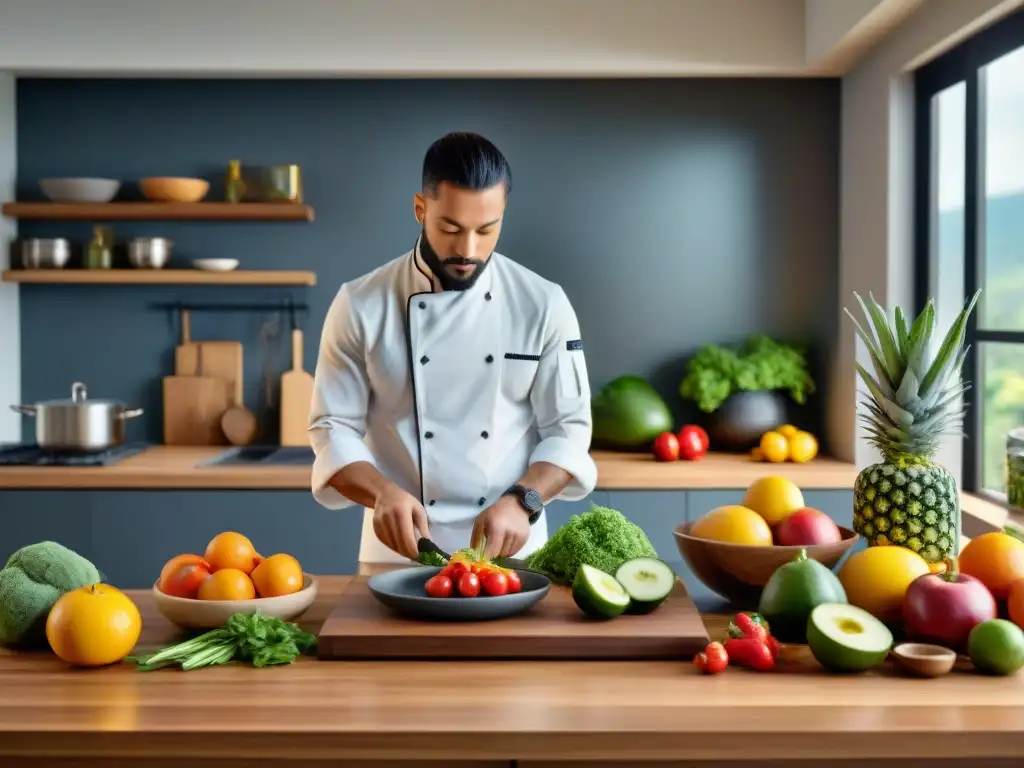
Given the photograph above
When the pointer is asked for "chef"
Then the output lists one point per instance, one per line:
(451, 397)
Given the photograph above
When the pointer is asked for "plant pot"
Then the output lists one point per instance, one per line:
(740, 421)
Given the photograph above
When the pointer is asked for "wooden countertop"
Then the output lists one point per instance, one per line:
(494, 711)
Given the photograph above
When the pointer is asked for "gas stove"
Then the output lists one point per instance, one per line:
(34, 456)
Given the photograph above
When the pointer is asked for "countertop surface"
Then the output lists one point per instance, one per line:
(495, 711)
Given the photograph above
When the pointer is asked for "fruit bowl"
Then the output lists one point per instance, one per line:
(193, 613)
(738, 572)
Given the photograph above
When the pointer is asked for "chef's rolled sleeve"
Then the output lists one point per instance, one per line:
(561, 401)
(341, 393)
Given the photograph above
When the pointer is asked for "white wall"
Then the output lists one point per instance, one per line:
(876, 216)
(10, 318)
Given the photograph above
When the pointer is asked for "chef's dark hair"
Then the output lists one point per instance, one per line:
(465, 160)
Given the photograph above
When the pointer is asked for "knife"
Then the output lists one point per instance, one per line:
(426, 546)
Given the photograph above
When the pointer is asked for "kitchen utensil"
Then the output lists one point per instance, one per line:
(215, 265)
(738, 572)
(272, 183)
(239, 424)
(208, 614)
(358, 628)
(80, 190)
(149, 252)
(193, 406)
(269, 418)
(923, 659)
(79, 424)
(221, 359)
(296, 396)
(169, 189)
(45, 253)
(426, 545)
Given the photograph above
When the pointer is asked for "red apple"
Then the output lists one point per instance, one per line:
(666, 447)
(805, 527)
(943, 608)
(693, 442)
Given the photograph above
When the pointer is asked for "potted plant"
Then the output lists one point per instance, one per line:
(743, 388)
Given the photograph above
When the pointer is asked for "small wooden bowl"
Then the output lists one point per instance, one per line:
(174, 190)
(738, 572)
(923, 659)
(209, 614)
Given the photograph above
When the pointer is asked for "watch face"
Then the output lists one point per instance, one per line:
(533, 501)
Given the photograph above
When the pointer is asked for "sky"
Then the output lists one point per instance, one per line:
(1004, 133)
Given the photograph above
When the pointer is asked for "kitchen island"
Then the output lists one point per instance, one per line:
(540, 714)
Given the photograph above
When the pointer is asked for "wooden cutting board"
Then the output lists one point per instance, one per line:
(194, 404)
(296, 395)
(359, 627)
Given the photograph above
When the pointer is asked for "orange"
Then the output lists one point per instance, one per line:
(277, 575)
(774, 498)
(733, 524)
(227, 584)
(996, 559)
(787, 431)
(231, 550)
(1015, 603)
(756, 454)
(803, 447)
(774, 446)
(876, 579)
(93, 626)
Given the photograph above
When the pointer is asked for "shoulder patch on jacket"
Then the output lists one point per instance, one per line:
(575, 344)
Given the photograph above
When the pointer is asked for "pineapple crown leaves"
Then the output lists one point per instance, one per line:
(912, 401)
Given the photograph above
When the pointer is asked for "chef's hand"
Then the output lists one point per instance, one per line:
(397, 515)
(505, 525)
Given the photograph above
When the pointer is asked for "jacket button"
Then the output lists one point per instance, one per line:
(481, 501)
(487, 295)
(489, 359)
(484, 434)
(423, 305)
(428, 435)
(430, 503)
(424, 360)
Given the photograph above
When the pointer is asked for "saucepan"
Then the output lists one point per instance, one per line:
(78, 423)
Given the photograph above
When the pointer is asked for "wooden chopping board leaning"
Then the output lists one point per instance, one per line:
(194, 404)
(296, 396)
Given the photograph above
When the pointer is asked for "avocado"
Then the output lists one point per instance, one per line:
(793, 591)
(844, 638)
(628, 414)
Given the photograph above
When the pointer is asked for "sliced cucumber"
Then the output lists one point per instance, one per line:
(598, 594)
(648, 582)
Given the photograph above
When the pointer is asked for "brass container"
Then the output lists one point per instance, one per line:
(272, 183)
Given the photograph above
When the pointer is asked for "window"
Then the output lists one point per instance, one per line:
(970, 228)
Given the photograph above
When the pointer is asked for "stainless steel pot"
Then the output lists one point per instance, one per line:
(79, 424)
(45, 253)
(149, 252)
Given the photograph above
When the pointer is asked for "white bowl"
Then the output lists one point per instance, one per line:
(80, 190)
(216, 265)
(209, 614)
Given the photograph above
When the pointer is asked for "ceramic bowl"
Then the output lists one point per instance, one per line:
(174, 190)
(738, 572)
(923, 659)
(209, 614)
(80, 190)
(215, 265)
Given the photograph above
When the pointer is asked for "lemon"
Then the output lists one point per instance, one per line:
(803, 447)
(876, 579)
(787, 431)
(733, 524)
(774, 498)
(774, 447)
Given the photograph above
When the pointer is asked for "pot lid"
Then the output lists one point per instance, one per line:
(79, 396)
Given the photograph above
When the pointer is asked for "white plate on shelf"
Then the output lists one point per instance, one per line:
(215, 265)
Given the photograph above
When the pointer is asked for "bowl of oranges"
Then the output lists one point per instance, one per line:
(203, 591)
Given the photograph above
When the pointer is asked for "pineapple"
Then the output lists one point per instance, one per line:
(912, 401)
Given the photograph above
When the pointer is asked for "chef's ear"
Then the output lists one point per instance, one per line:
(419, 207)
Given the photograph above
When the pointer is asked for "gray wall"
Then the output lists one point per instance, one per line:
(673, 212)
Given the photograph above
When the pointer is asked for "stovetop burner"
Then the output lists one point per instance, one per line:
(34, 456)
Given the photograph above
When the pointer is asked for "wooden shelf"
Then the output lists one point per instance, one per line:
(159, 211)
(157, 277)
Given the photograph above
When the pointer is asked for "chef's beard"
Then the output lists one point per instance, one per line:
(449, 281)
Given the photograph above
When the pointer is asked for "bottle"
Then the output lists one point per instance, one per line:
(234, 187)
(100, 254)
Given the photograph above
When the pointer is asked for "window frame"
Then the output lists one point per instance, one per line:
(961, 64)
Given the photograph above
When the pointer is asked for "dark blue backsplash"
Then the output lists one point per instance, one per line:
(673, 212)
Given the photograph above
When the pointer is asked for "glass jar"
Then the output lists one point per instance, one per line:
(1015, 467)
(100, 253)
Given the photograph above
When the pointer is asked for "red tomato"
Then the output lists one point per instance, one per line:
(469, 585)
(515, 584)
(439, 586)
(480, 569)
(453, 571)
(693, 442)
(666, 447)
(495, 584)
(183, 580)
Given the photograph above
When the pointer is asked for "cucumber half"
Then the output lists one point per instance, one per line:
(648, 582)
(598, 594)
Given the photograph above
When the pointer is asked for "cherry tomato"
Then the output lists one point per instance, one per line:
(480, 569)
(439, 585)
(495, 584)
(515, 584)
(469, 585)
(453, 571)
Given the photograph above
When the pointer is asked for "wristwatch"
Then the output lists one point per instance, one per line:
(529, 500)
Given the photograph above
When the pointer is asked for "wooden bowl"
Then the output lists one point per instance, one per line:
(209, 614)
(738, 572)
(174, 190)
(923, 659)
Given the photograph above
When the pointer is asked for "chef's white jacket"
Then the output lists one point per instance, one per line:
(450, 394)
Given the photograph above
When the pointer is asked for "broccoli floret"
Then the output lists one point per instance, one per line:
(601, 537)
